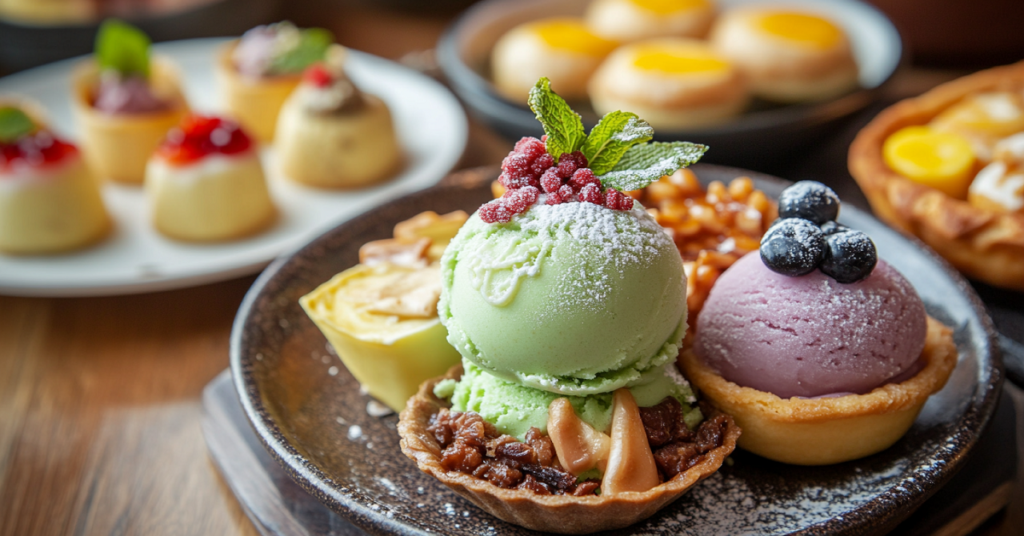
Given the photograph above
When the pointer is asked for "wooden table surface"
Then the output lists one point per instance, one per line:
(100, 397)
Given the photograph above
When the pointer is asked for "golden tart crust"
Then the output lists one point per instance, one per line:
(982, 244)
(565, 514)
(822, 431)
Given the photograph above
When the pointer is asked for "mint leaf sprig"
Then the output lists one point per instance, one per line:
(563, 126)
(122, 48)
(14, 124)
(304, 48)
(644, 164)
(617, 148)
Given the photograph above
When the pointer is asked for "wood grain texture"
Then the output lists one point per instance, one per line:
(100, 411)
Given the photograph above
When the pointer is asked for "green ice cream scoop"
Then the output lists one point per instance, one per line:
(575, 298)
(515, 408)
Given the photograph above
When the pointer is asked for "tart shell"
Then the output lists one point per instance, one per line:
(254, 102)
(564, 514)
(985, 245)
(822, 431)
(117, 147)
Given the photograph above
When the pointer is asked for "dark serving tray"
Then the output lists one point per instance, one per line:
(308, 412)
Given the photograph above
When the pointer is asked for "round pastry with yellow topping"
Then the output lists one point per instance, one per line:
(124, 104)
(635, 20)
(205, 183)
(672, 83)
(49, 201)
(789, 56)
(563, 49)
(947, 167)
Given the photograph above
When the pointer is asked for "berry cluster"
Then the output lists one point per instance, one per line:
(34, 149)
(318, 76)
(806, 237)
(529, 169)
(198, 136)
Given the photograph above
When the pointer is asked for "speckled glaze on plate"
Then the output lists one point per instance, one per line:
(310, 415)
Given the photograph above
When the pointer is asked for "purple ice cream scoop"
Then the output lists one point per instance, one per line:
(810, 336)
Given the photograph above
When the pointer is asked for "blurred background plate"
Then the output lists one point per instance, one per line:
(432, 130)
(757, 139)
(36, 32)
(309, 413)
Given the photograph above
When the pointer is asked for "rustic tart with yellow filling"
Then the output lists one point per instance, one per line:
(975, 117)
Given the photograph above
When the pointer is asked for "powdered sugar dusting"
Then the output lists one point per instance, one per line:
(600, 238)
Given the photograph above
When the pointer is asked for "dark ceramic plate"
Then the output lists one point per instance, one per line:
(764, 133)
(310, 415)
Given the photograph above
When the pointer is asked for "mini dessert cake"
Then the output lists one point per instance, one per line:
(332, 135)
(380, 316)
(673, 83)
(944, 167)
(124, 104)
(821, 352)
(564, 50)
(257, 73)
(634, 20)
(49, 201)
(205, 183)
(788, 56)
(567, 303)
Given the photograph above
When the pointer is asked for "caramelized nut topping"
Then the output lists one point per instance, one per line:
(712, 229)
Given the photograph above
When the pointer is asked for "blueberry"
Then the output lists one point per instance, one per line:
(831, 227)
(849, 256)
(810, 200)
(792, 247)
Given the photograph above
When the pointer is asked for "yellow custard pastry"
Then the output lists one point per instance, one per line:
(257, 73)
(124, 104)
(380, 316)
(789, 56)
(672, 83)
(563, 49)
(49, 200)
(959, 189)
(205, 183)
(634, 20)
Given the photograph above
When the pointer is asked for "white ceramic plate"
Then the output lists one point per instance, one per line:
(431, 126)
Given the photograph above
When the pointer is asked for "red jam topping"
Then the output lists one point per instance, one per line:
(318, 76)
(34, 150)
(529, 170)
(199, 136)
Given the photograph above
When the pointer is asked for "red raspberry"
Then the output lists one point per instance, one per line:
(566, 193)
(495, 212)
(550, 181)
(520, 200)
(569, 163)
(516, 164)
(611, 199)
(626, 202)
(530, 147)
(553, 199)
(583, 177)
(541, 164)
(591, 193)
(544, 138)
(617, 200)
(318, 76)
